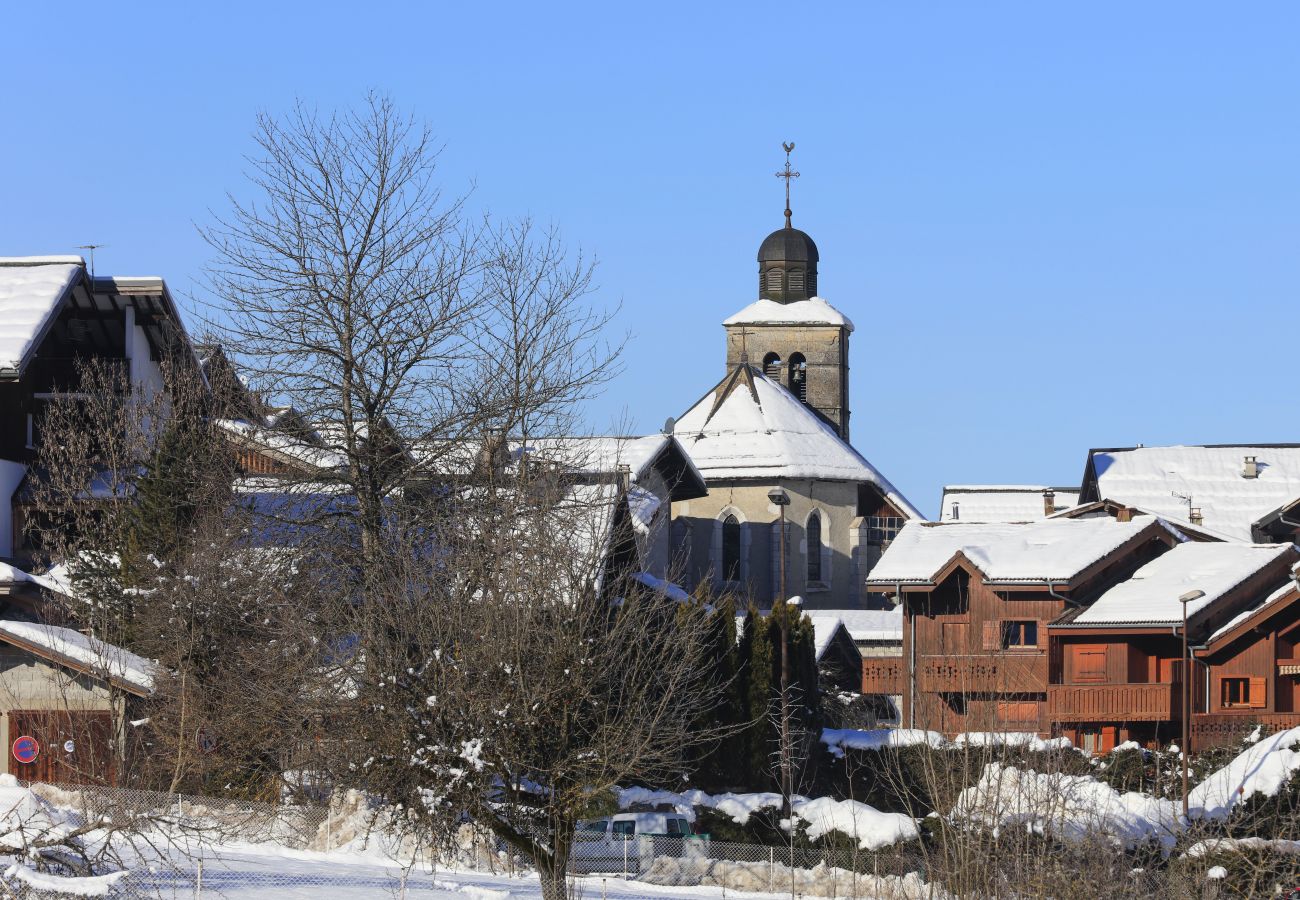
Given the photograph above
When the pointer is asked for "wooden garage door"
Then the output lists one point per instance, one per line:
(75, 747)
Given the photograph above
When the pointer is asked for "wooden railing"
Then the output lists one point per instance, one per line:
(1288, 667)
(882, 675)
(1220, 729)
(998, 673)
(1114, 702)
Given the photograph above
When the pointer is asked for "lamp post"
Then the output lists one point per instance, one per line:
(1187, 692)
(781, 500)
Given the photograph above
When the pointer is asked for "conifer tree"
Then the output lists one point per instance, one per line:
(759, 664)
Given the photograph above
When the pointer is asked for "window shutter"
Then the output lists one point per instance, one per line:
(1258, 693)
(993, 635)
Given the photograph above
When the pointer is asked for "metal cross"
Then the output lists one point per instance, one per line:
(787, 174)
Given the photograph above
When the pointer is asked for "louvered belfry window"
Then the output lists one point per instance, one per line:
(796, 280)
(772, 367)
(774, 279)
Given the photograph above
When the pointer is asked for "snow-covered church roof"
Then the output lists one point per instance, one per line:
(749, 427)
(813, 311)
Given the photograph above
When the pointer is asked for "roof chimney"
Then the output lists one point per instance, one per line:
(1250, 468)
(1124, 514)
(1049, 502)
(1194, 516)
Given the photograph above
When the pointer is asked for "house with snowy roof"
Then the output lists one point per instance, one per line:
(977, 600)
(1004, 502)
(1242, 492)
(777, 425)
(1118, 671)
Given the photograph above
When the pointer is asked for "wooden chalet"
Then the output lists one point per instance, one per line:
(977, 601)
(1117, 671)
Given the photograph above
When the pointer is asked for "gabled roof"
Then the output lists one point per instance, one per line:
(1171, 480)
(1050, 550)
(825, 628)
(1247, 619)
(34, 290)
(1150, 595)
(813, 311)
(1113, 508)
(81, 653)
(870, 624)
(748, 427)
(1001, 502)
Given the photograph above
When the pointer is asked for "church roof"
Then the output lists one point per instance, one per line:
(814, 311)
(749, 427)
(787, 245)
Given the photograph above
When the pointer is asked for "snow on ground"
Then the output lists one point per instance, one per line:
(872, 828)
(1070, 807)
(1023, 739)
(1237, 845)
(1262, 768)
(841, 739)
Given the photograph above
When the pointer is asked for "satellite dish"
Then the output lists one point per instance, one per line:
(669, 424)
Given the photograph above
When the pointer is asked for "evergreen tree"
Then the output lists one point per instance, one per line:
(758, 702)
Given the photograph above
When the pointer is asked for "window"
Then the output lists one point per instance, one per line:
(796, 280)
(675, 827)
(956, 512)
(814, 536)
(625, 828)
(881, 530)
(1089, 663)
(772, 367)
(730, 549)
(1020, 634)
(774, 279)
(1243, 693)
(799, 377)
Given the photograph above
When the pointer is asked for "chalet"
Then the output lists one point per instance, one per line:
(1251, 669)
(1116, 663)
(1004, 502)
(977, 599)
(1245, 492)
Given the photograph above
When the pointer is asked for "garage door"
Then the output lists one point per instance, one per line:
(72, 747)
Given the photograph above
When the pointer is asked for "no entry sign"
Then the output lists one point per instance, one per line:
(26, 749)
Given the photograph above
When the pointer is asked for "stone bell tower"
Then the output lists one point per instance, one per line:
(797, 338)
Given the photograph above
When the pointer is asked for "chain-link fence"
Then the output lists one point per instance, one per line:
(177, 846)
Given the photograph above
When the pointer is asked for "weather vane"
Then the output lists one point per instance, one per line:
(787, 174)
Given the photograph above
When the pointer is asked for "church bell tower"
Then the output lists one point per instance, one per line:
(799, 340)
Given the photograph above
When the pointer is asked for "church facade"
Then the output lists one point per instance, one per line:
(773, 436)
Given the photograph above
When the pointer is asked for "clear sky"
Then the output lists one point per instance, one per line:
(1055, 228)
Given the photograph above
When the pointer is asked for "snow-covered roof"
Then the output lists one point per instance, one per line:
(871, 624)
(280, 443)
(1150, 595)
(1286, 590)
(1048, 550)
(78, 651)
(813, 311)
(749, 427)
(824, 628)
(1171, 480)
(1001, 502)
(31, 288)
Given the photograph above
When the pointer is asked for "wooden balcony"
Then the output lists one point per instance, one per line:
(1288, 667)
(882, 675)
(1114, 702)
(1010, 672)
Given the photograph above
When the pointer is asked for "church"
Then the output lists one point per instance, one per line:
(771, 440)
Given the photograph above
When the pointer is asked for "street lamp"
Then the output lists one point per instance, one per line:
(1187, 691)
(781, 500)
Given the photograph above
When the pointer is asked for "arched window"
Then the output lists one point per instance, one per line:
(814, 541)
(730, 549)
(799, 377)
(772, 367)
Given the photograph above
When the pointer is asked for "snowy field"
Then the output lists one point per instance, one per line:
(257, 873)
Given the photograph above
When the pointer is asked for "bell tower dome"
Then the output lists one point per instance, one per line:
(787, 265)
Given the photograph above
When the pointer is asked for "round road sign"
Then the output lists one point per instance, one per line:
(26, 749)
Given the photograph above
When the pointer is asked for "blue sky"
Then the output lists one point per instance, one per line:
(1054, 228)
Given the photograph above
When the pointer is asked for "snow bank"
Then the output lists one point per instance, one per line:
(871, 828)
(1237, 845)
(762, 877)
(26, 819)
(840, 739)
(75, 886)
(1022, 739)
(1068, 807)
(1263, 768)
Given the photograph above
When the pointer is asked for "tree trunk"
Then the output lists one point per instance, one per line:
(555, 884)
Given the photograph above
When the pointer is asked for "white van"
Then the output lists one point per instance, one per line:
(626, 841)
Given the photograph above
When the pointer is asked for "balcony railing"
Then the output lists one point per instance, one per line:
(882, 675)
(1009, 672)
(1114, 702)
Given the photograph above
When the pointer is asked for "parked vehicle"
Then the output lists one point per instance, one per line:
(629, 842)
